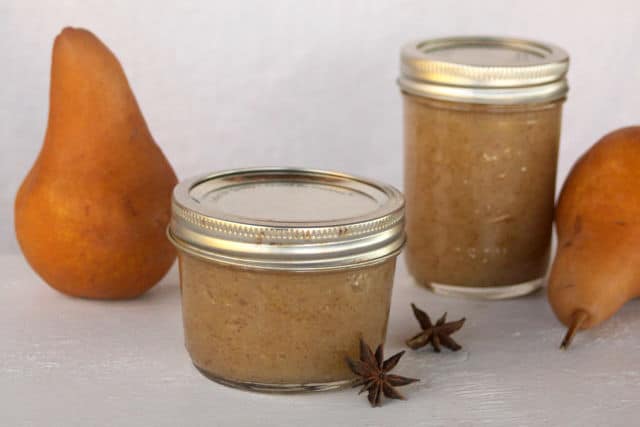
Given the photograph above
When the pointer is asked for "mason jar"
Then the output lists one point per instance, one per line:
(482, 118)
(282, 271)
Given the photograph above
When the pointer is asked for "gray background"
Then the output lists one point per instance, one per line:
(229, 84)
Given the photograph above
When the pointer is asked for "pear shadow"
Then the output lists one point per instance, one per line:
(165, 291)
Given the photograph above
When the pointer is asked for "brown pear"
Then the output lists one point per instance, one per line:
(597, 266)
(91, 214)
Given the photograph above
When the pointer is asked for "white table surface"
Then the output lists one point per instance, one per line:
(71, 362)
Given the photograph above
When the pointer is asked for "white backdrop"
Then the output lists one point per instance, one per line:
(312, 83)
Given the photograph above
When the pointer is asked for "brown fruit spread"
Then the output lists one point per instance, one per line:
(479, 188)
(274, 327)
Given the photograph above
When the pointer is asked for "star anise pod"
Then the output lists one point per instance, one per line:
(374, 375)
(436, 335)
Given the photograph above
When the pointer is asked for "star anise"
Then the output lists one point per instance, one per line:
(436, 335)
(374, 374)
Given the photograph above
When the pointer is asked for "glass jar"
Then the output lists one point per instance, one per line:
(482, 123)
(282, 271)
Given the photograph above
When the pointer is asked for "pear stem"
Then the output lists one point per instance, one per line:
(578, 319)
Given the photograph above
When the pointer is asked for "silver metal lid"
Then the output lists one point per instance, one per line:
(484, 70)
(287, 219)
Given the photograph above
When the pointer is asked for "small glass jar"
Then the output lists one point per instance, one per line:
(482, 123)
(282, 271)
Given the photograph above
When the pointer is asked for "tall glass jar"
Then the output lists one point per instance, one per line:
(482, 123)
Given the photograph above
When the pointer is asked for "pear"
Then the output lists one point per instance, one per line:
(91, 214)
(597, 267)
